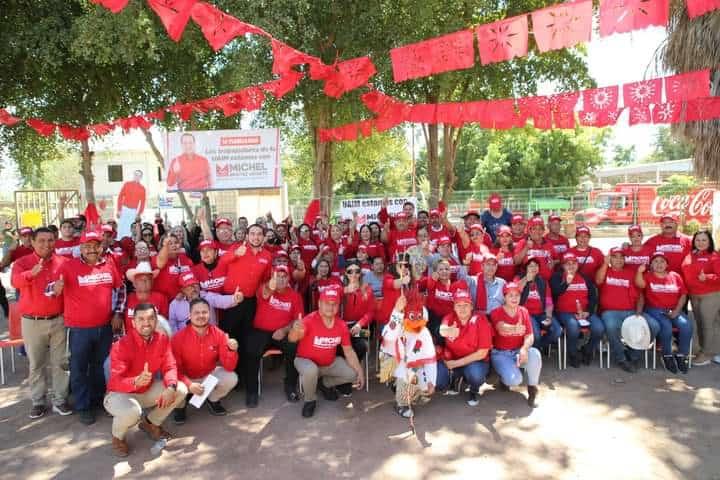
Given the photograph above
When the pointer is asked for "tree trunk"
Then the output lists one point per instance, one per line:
(451, 140)
(161, 161)
(323, 175)
(86, 171)
(433, 165)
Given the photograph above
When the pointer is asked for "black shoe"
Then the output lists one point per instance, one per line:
(587, 356)
(251, 400)
(532, 395)
(574, 360)
(328, 392)
(87, 417)
(291, 394)
(345, 389)
(179, 416)
(626, 366)
(502, 387)
(216, 408)
(37, 411)
(682, 363)
(472, 399)
(309, 409)
(670, 364)
(405, 412)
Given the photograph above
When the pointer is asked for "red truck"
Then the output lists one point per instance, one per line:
(629, 203)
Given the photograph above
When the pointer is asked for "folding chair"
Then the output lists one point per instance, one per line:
(268, 353)
(655, 347)
(583, 330)
(559, 349)
(14, 340)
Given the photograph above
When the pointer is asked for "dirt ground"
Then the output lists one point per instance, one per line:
(590, 423)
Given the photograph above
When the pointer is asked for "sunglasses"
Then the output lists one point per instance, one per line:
(352, 271)
(404, 265)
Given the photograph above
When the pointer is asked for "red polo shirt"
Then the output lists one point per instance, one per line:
(65, 247)
(212, 280)
(514, 341)
(36, 298)
(560, 244)
(474, 335)
(19, 252)
(589, 260)
(248, 272)
(618, 291)
(278, 310)
(156, 298)
(193, 173)
(88, 292)
(633, 259)
(675, 248)
(359, 306)
(545, 250)
(576, 291)
(320, 342)
(400, 241)
(167, 280)
(129, 355)
(197, 356)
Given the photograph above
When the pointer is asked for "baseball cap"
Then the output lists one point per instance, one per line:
(223, 221)
(281, 268)
(207, 244)
(536, 221)
(187, 279)
(400, 216)
(490, 256)
(659, 253)
(26, 231)
(444, 240)
(669, 216)
(330, 294)
(476, 226)
(462, 296)
(471, 212)
(91, 236)
(495, 201)
(504, 230)
(297, 247)
(511, 287)
(517, 218)
(107, 228)
(554, 218)
(434, 212)
(281, 253)
(569, 257)
(615, 250)
(582, 229)
(635, 228)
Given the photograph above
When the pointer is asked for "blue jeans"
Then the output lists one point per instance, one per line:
(572, 329)
(613, 320)
(474, 373)
(505, 364)
(88, 349)
(681, 322)
(552, 331)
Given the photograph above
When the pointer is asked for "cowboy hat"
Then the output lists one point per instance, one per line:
(143, 268)
(635, 332)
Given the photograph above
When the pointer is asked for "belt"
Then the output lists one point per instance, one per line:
(33, 317)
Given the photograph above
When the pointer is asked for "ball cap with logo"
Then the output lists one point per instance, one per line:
(670, 217)
(569, 257)
(582, 229)
(187, 279)
(660, 254)
(281, 268)
(517, 218)
(331, 295)
(635, 229)
(495, 201)
(223, 221)
(511, 287)
(462, 296)
(90, 236)
(26, 231)
(207, 244)
(536, 222)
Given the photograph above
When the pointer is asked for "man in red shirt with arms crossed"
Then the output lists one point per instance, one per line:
(197, 349)
(318, 335)
(136, 359)
(43, 328)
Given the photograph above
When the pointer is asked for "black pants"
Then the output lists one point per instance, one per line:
(359, 345)
(4, 301)
(237, 323)
(433, 325)
(257, 342)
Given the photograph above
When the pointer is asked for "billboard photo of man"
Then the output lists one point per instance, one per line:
(130, 203)
(189, 171)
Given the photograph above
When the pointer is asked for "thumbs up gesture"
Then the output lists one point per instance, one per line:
(241, 250)
(58, 286)
(144, 378)
(238, 296)
(272, 284)
(37, 268)
(701, 276)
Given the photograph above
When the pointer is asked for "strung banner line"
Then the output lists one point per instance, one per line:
(687, 98)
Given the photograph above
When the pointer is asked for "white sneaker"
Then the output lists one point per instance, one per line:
(716, 359)
(700, 360)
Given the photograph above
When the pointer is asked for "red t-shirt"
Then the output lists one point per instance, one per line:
(132, 195)
(576, 291)
(193, 173)
(560, 244)
(36, 298)
(675, 248)
(390, 296)
(224, 248)
(19, 252)
(618, 291)
(534, 304)
(440, 295)
(88, 291)
(167, 280)
(709, 263)
(278, 310)
(156, 298)
(400, 241)
(211, 280)
(663, 292)
(358, 306)
(589, 260)
(634, 259)
(320, 342)
(478, 256)
(505, 340)
(66, 247)
(506, 264)
(436, 235)
(545, 250)
(473, 336)
(374, 249)
(309, 250)
(248, 272)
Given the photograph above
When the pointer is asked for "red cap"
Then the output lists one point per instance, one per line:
(471, 212)
(476, 226)
(319, 217)
(108, 228)
(462, 296)
(536, 221)
(281, 268)
(444, 240)
(495, 201)
(533, 258)
(490, 256)
(331, 294)
(187, 279)
(297, 247)
(362, 247)
(281, 253)
(615, 250)
(569, 257)
(511, 287)
(517, 218)
(582, 229)
(669, 216)
(658, 254)
(223, 221)
(504, 230)
(26, 231)
(434, 212)
(207, 244)
(127, 244)
(635, 228)
(90, 236)
(400, 215)
(554, 218)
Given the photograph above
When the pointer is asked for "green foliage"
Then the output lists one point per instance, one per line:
(677, 185)
(530, 158)
(473, 147)
(623, 155)
(669, 147)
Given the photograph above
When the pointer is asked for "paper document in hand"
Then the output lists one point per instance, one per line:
(208, 385)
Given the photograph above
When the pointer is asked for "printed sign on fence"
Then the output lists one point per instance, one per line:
(368, 208)
(222, 160)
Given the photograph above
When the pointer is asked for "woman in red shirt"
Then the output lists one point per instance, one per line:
(374, 248)
(503, 250)
(636, 253)
(665, 296)
(701, 270)
(512, 344)
(398, 278)
(440, 289)
(357, 307)
(323, 279)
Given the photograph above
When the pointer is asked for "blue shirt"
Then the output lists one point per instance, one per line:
(492, 224)
(375, 283)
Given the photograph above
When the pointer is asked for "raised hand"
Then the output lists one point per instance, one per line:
(238, 296)
(401, 302)
(144, 378)
(232, 344)
(58, 286)
(241, 250)
(37, 268)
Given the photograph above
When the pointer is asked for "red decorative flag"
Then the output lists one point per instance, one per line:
(7, 119)
(537, 108)
(285, 57)
(312, 211)
(601, 118)
(454, 51)
(366, 127)
(696, 8)
(182, 110)
(129, 123)
(600, 99)
(504, 115)
(220, 28)
(174, 15)
(349, 75)
(687, 86)
(158, 114)
(283, 85)
(423, 113)
(638, 94)
(702, 109)
(618, 16)
(475, 112)
(667, 112)
(101, 129)
(563, 25)
(113, 5)
(43, 128)
(252, 98)
(74, 133)
(503, 40)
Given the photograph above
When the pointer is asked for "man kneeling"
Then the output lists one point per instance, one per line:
(135, 359)
(318, 336)
(197, 348)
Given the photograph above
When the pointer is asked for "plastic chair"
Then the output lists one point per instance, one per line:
(559, 349)
(14, 340)
(583, 330)
(655, 347)
(268, 353)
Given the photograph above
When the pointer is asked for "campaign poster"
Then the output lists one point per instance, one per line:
(368, 208)
(198, 161)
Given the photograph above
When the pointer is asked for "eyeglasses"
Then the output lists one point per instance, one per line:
(352, 271)
(475, 234)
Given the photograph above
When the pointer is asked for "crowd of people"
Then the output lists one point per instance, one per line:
(150, 318)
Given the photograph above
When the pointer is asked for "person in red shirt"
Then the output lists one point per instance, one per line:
(575, 298)
(172, 263)
(357, 309)
(399, 277)
(278, 305)
(536, 246)
(589, 258)
(619, 299)
(701, 271)
(189, 171)
(93, 303)
(560, 242)
(440, 289)
(212, 270)
(43, 329)
(536, 297)
(197, 349)
(504, 251)
(68, 243)
(143, 375)
(518, 227)
(665, 296)
(130, 203)
(675, 245)
(636, 253)
(437, 228)
(465, 351)
(512, 344)
(22, 247)
(475, 245)
(399, 238)
(318, 336)
(373, 248)
(141, 278)
(305, 241)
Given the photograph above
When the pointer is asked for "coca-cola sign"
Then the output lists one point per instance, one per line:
(694, 205)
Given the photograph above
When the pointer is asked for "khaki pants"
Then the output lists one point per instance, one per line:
(45, 339)
(336, 373)
(226, 382)
(127, 408)
(706, 315)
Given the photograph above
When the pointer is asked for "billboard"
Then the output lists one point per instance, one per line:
(368, 208)
(197, 161)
